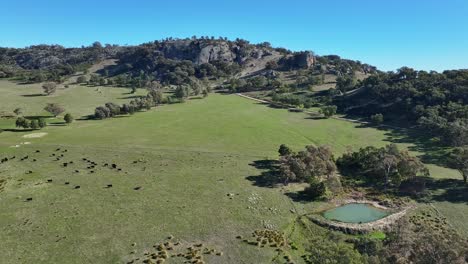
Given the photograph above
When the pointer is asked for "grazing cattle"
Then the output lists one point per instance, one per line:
(137, 188)
(66, 183)
(65, 164)
(57, 149)
(34, 160)
(37, 151)
(77, 171)
(49, 180)
(71, 162)
(91, 172)
(29, 199)
(85, 159)
(105, 165)
(114, 166)
(109, 185)
(119, 169)
(77, 187)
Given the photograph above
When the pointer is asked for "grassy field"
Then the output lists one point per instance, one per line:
(77, 100)
(186, 171)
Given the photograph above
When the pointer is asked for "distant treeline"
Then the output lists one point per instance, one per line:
(435, 102)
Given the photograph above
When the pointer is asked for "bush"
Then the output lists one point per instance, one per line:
(284, 150)
(82, 79)
(315, 189)
(377, 119)
(42, 123)
(68, 118)
(328, 110)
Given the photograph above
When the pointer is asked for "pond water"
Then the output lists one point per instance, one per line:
(355, 213)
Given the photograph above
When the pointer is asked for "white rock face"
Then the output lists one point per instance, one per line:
(219, 52)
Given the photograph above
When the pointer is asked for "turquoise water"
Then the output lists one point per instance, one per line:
(355, 213)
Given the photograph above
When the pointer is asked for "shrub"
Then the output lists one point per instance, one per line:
(68, 118)
(315, 189)
(328, 110)
(284, 150)
(377, 119)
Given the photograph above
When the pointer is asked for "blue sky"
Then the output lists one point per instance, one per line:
(423, 34)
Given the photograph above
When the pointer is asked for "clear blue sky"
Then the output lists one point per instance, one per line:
(423, 34)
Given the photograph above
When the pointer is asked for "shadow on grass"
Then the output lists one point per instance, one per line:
(316, 117)
(448, 190)
(32, 95)
(18, 130)
(269, 177)
(431, 150)
(37, 117)
(131, 97)
(57, 124)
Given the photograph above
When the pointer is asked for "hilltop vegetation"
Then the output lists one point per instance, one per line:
(436, 102)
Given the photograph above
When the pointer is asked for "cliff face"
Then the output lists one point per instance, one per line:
(201, 51)
(304, 59)
(198, 51)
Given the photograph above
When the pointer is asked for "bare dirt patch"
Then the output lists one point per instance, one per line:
(35, 135)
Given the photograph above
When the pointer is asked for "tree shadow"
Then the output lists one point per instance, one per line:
(269, 177)
(131, 97)
(432, 151)
(303, 197)
(57, 124)
(18, 130)
(36, 117)
(86, 118)
(448, 190)
(33, 95)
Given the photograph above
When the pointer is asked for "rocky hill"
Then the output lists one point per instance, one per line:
(170, 60)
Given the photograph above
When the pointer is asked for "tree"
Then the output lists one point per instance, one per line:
(42, 123)
(49, 87)
(68, 118)
(315, 189)
(54, 109)
(22, 122)
(156, 96)
(377, 119)
(387, 164)
(458, 159)
(94, 79)
(181, 92)
(345, 84)
(82, 79)
(284, 150)
(384, 165)
(102, 112)
(312, 162)
(328, 110)
(114, 109)
(18, 111)
(34, 124)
